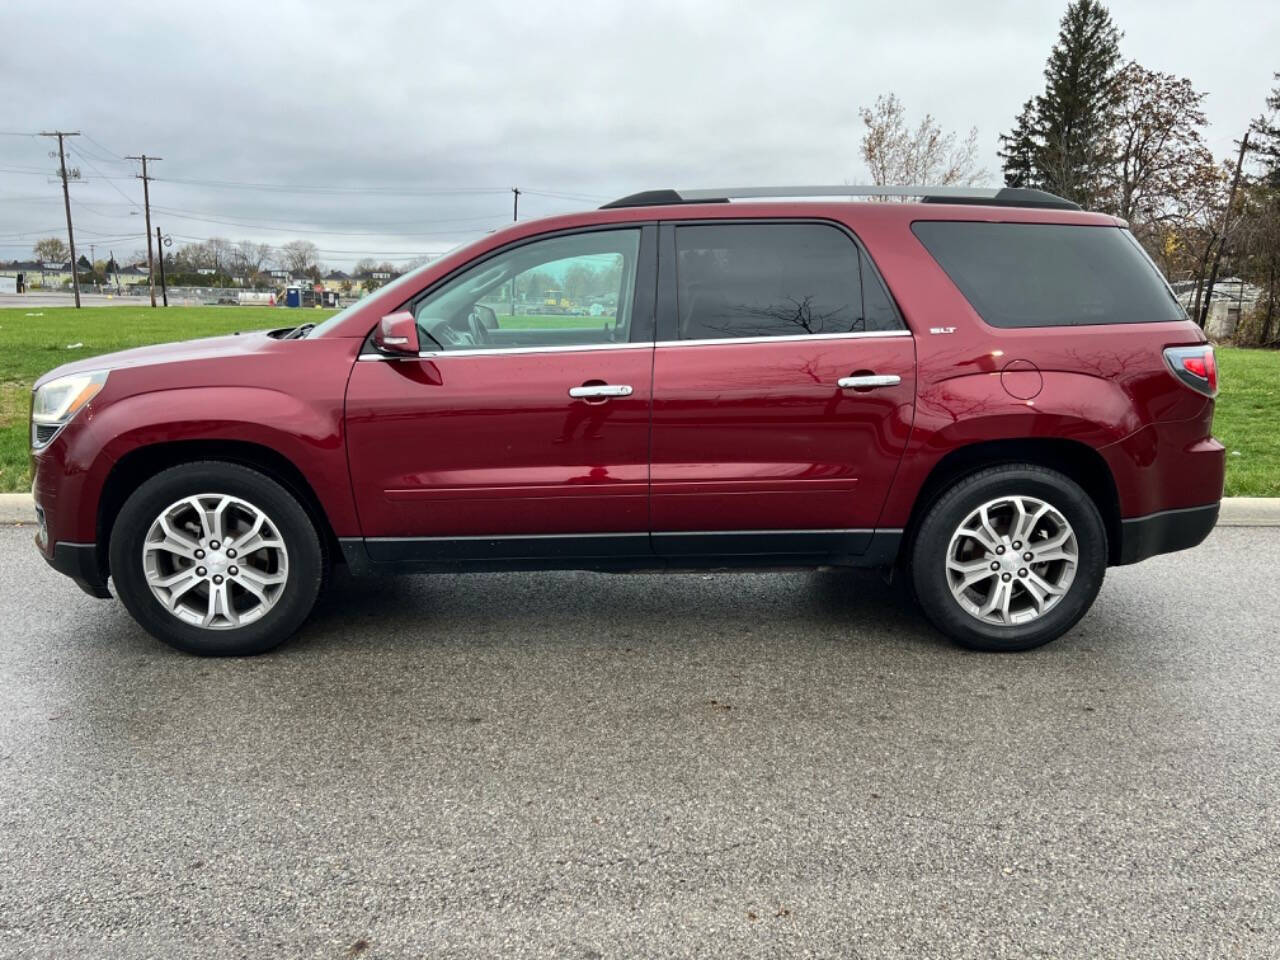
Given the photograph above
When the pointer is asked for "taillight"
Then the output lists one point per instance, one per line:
(1194, 366)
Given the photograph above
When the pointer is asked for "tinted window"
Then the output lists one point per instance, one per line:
(1043, 275)
(774, 280)
(562, 291)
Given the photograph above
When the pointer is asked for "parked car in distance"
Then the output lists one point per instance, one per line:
(989, 392)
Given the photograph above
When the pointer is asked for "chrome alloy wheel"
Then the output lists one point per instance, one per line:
(1012, 560)
(215, 561)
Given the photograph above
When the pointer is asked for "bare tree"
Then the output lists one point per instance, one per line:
(250, 258)
(896, 153)
(299, 257)
(51, 250)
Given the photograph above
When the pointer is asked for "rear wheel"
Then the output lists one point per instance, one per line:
(216, 559)
(1009, 558)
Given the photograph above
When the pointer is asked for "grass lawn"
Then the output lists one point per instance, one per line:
(36, 340)
(1247, 420)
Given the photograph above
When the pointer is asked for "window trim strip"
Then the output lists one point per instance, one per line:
(640, 345)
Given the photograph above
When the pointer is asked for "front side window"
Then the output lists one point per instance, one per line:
(563, 291)
(1049, 275)
(775, 280)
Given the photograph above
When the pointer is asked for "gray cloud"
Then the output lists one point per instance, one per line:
(383, 104)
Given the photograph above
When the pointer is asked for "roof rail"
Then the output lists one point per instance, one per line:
(990, 196)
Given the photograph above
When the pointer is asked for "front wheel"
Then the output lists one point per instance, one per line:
(216, 559)
(1009, 558)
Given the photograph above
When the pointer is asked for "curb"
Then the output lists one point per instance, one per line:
(17, 508)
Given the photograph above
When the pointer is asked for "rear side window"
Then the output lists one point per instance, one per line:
(1049, 275)
(775, 280)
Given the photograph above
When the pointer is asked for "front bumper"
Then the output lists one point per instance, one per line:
(1165, 532)
(80, 562)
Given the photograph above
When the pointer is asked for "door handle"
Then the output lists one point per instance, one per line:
(869, 381)
(600, 390)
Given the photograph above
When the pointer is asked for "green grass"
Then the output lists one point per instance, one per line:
(33, 341)
(1247, 420)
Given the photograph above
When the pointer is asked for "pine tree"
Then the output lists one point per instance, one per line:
(1062, 140)
(1020, 154)
(1266, 139)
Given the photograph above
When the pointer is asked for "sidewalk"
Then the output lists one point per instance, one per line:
(1236, 511)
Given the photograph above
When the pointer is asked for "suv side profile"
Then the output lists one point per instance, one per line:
(991, 392)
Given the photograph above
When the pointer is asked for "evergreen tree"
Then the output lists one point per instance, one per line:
(1266, 139)
(1021, 151)
(1062, 141)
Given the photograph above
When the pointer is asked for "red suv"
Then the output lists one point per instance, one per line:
(989, 391)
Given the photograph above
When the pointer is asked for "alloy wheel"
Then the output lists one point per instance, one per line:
(1011, 560)
(215, 561)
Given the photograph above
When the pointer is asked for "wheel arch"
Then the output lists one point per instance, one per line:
(1078, 461)
(142, 463)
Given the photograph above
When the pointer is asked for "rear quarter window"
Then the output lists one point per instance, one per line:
(1049, 275)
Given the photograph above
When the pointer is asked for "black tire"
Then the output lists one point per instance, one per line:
(928, 557)
(306, 558)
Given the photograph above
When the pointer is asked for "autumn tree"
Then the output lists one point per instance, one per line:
(897, 153)
(1158, 146)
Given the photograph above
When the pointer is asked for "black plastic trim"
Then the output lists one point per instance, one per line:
(1165, 532)
(654, 198)
(1012, 197)
(623, 552)
(79, 561)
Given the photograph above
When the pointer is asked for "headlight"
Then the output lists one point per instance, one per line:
(55, 403)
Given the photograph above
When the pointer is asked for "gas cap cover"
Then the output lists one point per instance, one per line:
(1021, 379)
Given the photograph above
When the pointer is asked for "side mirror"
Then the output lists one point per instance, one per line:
(397, 333)
(488, 319)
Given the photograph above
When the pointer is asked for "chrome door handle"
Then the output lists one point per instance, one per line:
(869, 381)
(600, 390)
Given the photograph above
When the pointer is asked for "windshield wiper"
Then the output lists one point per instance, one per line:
(299, 333)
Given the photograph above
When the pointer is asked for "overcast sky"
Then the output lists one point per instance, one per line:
(397, 128)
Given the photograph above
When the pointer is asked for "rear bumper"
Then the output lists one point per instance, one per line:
(79, 561)
(1165, 532)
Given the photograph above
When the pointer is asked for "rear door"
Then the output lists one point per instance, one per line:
(522, 431)
(783, 393)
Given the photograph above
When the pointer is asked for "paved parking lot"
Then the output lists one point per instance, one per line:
(576, 765)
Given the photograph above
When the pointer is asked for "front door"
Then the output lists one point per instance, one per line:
(522, 431)
(784, 385)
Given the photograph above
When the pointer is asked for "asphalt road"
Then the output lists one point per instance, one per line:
(576, 765)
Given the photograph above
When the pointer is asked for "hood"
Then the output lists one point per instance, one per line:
(236, 344)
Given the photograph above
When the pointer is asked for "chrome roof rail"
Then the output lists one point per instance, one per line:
(991, 196)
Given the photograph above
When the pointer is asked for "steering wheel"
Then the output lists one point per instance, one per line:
(478, 335)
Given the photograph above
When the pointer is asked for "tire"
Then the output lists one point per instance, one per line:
(943, 554)
(260, 601)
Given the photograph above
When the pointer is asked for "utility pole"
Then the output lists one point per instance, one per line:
(1203, 319)
(164, 287)
(117, 266)
(146, 202)
(66, 200)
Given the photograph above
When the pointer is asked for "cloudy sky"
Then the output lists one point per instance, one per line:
(395, 129)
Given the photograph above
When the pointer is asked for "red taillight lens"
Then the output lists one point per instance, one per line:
(1194, 366)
